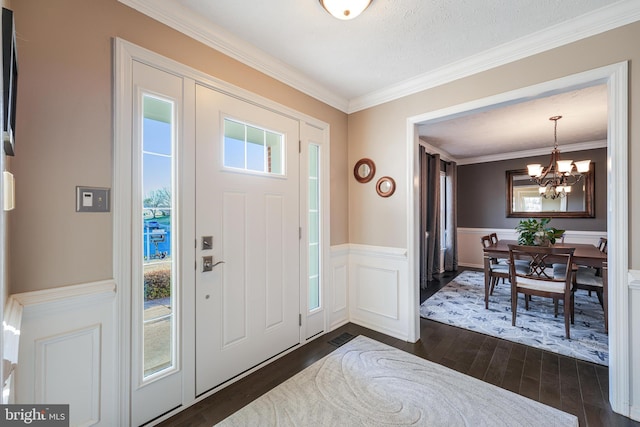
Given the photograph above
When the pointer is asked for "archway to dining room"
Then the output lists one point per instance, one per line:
(612, 80)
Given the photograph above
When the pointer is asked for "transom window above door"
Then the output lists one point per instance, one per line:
(253, 149)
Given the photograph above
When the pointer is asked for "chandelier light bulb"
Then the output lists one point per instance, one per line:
(583, 166)
(565, 166)
(534, 169)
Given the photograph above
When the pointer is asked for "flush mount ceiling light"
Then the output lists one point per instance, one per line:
(560, 175)
(345, 9)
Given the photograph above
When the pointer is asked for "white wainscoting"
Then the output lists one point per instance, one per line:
(634, 333)
(68, 351)
(338, 293)
(470, 248)
(378, 289)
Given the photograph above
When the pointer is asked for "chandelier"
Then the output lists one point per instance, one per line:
(345, 9)
(556, 180)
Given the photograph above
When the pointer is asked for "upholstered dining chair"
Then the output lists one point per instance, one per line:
(585, 272)
(496, 269)
(594, 280)
(494, 239)
(541, 280)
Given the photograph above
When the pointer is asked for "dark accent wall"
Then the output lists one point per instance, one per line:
(482, 193)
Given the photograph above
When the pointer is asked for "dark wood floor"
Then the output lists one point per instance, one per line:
(574, 386)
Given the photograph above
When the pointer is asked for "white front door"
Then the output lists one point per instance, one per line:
(247, 222)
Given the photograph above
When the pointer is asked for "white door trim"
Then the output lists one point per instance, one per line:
(124, 55)
(616, 78)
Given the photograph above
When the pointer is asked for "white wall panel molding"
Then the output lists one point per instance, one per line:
(378, 289)
(337, 296)
(634, 330)
(11, 325)
(68, 351)
(67, 369)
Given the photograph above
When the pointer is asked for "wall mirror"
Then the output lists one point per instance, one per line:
(386, 186)
(525, 201)
(364, 170)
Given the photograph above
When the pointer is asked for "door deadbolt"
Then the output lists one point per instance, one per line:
(207, 242)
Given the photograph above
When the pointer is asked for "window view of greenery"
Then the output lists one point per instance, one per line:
(158, 262)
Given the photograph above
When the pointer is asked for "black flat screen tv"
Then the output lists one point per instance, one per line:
(9, 82)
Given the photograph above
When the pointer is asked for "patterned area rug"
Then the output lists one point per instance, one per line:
(367, 383)
(461, 303)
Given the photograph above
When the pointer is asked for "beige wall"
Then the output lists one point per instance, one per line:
(64, 131)
(380, 132)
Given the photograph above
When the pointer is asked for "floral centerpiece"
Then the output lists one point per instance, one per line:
(532, 232)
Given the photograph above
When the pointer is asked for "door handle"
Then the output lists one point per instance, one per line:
(208, 264)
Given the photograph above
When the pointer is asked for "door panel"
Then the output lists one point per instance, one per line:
(156, 374)
(247, 307)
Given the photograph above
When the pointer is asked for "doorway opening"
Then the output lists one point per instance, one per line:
(615, 77)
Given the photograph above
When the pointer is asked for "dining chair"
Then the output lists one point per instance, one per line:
(496, 269)
(541, 280)
(519, 263)
(494, 238)
(602, 244)
(594, 280)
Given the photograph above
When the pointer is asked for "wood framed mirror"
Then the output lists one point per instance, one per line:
(364, 170)
(523, 199)
(386, 186)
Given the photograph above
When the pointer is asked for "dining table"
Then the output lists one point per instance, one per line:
(584, 255)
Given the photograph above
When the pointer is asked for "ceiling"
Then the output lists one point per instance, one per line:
(400, 47)
(523, 127)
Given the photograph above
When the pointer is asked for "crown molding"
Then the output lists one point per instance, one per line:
(568, 148)
(587, 25)
(581, 146)
(596, 22)
(171, 14)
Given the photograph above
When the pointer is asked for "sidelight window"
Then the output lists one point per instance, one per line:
(158, 232)
(314, 227)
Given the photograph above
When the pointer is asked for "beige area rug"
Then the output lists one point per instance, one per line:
(367, 383)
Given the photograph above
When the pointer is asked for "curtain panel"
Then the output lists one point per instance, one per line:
(431, 201)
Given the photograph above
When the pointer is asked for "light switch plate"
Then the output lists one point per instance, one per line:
(92, 199)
